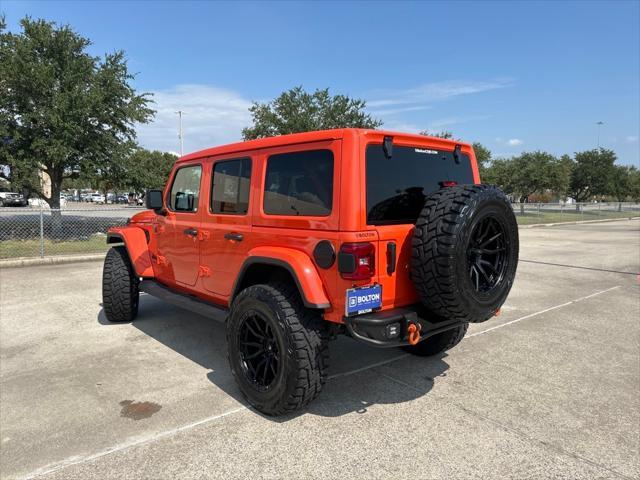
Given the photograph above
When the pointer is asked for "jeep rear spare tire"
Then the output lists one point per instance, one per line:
(465, 252)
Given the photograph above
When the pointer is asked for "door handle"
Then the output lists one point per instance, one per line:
(193, 232)
(234, 236)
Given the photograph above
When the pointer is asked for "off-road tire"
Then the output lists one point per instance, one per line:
(303, 338)
(438, 343)
(120, 294)
(441, 247)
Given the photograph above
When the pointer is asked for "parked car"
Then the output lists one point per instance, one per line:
(97, 198)
(12, 199)
(389, 238)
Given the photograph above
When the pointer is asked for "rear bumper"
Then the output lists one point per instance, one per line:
(389, 328)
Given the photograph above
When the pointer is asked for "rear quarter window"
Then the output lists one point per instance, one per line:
(299, 183)
(397, 187)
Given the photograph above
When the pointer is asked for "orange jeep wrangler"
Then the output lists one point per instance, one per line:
(386, 237)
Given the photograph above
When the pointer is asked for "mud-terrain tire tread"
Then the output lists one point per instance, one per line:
(439, 343)
(308, 337)
(433, 251)
(120, 294)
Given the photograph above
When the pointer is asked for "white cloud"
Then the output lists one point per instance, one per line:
(213, 116)
(514, 142)
(431, 92)
(631, 139)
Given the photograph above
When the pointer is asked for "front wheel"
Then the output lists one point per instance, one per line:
(120, 293)
(277, 348)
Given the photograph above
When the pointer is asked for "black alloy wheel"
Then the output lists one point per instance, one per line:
(259, 351)
(487, 255)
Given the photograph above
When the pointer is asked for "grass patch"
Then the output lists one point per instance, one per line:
(97, 243)
(531, 218)
(31, 247)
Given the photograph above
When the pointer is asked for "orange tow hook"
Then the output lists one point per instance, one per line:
(414, 333)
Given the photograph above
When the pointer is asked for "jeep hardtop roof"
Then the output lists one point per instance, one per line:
(319, 136)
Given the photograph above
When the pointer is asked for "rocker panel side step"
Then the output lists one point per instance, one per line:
(182, 300)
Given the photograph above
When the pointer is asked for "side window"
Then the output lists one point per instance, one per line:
(299, 183)
(230, 186)
(186, 189)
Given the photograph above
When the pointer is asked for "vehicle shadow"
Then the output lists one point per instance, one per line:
(352, 387)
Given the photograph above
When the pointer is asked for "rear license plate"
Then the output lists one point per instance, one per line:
(363, 299)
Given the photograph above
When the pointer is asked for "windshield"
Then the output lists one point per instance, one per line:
(397, 187)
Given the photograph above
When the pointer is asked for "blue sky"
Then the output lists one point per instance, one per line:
(513, 75)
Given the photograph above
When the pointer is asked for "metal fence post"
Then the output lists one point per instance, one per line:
(41, 230)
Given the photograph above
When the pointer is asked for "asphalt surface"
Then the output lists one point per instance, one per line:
(550, 389)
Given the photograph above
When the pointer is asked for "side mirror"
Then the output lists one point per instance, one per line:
(153, 199)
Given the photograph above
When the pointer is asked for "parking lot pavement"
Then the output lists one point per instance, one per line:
(549, 389)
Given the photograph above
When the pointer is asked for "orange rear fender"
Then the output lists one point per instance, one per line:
(299, 265)
(135, 241)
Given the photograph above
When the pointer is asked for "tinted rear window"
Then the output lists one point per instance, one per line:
(397, 187)
(299, 183)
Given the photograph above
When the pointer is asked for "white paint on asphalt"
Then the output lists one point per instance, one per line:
(75, 460)
(535, 314)
(129, 444)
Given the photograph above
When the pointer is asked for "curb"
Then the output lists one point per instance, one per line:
(25, 262)
(579, 222)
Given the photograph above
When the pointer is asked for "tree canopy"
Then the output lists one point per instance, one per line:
(62, 111)
(529, 173)
(592, 174)
(296, 111)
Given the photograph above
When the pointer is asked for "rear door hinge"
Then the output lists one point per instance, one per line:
(203, 235)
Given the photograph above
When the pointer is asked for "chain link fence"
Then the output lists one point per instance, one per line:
(37, 231)
(532, 213)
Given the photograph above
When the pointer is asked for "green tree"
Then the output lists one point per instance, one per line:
(62, 111)
(634, 184)
(528, 173)
(483, 157)
(148, 169)
(592, 174)
(299, 111)
(621, 184)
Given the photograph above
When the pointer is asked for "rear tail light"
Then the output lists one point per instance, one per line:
(357, 261)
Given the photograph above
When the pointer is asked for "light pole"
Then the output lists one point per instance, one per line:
(599, 125)
(180, 113)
